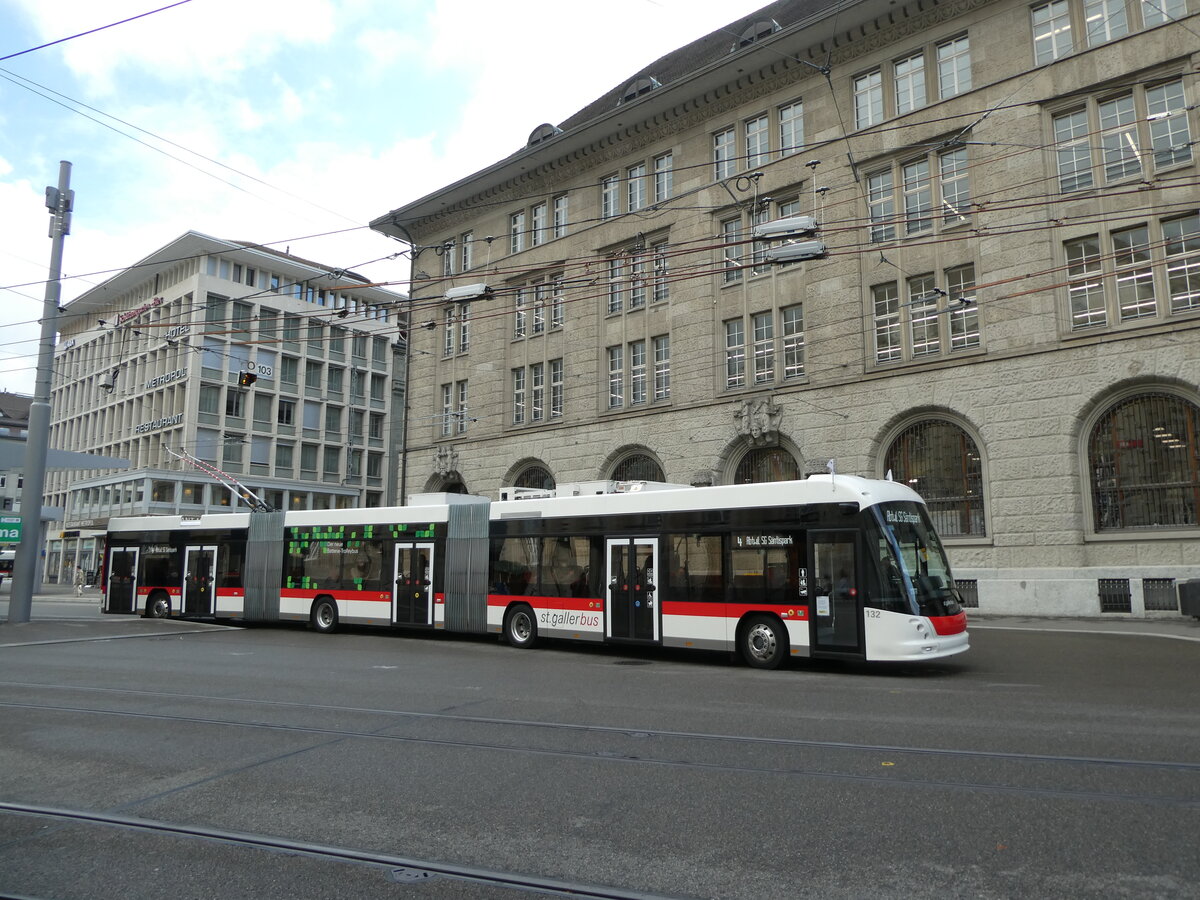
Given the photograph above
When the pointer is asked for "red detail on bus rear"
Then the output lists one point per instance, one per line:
(949, 624)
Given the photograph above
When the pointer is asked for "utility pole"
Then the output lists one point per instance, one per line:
(59, 201)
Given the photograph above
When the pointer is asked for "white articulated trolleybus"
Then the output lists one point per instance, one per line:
(831, 566)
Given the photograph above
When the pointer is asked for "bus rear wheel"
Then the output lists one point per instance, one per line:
(158, 606)
(324, 615)
(764, 642)
(520, 627)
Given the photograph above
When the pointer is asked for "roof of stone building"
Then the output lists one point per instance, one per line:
(14, 407)
(699, 53)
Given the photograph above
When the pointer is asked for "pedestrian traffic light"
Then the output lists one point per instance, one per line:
(247, 378)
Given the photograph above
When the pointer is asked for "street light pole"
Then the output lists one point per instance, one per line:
(59, 201)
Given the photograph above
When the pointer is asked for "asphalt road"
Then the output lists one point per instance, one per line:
(166, 759)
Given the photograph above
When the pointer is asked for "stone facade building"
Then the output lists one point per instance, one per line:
(149, 366)
(956, 242)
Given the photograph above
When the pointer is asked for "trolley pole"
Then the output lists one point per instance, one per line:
(59, 201)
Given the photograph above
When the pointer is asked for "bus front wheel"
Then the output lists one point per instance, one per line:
(158, 606)
(764, 642)
(324, 615)
(520, 627)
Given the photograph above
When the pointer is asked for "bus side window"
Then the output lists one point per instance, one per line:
(694, 571)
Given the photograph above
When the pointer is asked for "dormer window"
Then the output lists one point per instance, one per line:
(543, 132)
(638, 87)
(757, 32)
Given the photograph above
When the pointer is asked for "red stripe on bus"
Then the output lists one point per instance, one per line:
(310, 593)
(949, 624)
(730, 610)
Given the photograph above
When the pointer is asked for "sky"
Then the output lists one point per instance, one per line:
(286, 122)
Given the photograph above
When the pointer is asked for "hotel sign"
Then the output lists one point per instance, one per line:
(160, 380)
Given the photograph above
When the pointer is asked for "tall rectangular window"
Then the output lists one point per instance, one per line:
(610, 196)
(664, 177)
(923, 318)
(1119, 139)
(1135, 277)
(637, 372)
(882, 204)
(1085, 289)
(724, 148)
(909, 80)
(792, 319)
(662, 288)
(791, 128)
(1182, 248)
(1073, 151)
(539, 307)
(448, 256)
(519, 314)
(1170, 133)
(731, 236)
(955, 186)
(518, 396)
(461, 413)
(561, 215)
(764, 347)
(918, 197)
(616, 283)
(964, 317)
(954, 67)
(447, 408)
(537, 224)
(468, 245)
(516, 232)
(868, 99)
(1104, 21)
(537, 392)
(635, 187)
(1051, 31)
(616, 377)
(448, 329)
(662, 368)
(557, 303)
(758, 141)
(637, 279)
(556, 388)
(735, 353)
(886, 302)
(464, 327)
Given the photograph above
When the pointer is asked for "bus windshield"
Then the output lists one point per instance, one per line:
(913, 560)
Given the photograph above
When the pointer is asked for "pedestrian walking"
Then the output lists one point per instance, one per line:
(79, 577)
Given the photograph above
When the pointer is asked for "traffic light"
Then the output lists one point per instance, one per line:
(247, 378)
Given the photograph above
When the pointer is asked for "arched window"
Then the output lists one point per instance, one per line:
(769, 464)
(1143, 461)
(940, 462)
(638, 467)
(535, 477)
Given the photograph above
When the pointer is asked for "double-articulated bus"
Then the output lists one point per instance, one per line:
(831, 566)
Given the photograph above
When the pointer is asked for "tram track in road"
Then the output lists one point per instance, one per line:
(892, 778)
(400, 869)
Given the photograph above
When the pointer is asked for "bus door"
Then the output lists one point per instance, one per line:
(412, 599)
(199, 581)
(121, 595)
(836, 602)
(631, 611)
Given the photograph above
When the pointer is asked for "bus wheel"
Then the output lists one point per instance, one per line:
(324, 615)
(520, 627)
(763, 643)
(158, 606)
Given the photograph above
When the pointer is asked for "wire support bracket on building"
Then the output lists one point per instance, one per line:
(251, 499)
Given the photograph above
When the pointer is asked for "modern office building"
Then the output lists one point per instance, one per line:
(14, 423)
(280, 372)
(954, 242)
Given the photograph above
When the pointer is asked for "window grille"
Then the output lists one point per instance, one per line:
(940, 461)
(1159, 594)
(968, 590)
(1115, 596)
